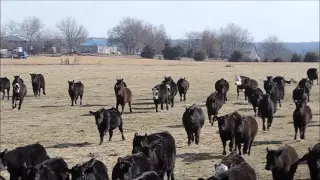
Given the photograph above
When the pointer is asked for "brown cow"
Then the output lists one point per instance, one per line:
(302, 116)
(123, 96)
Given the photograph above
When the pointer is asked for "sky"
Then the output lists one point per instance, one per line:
(290, 21)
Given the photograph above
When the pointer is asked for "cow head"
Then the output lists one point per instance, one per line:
(3, 161)
(222, 122)
(273, 158)
(265, 96)
(220, 168)
(136, 143)
(168, 89)
(16, 88)
(122, 170)
(155, 93)
(78, 171)
(238, 80)
(33, 77)
(32, 173)
(98, 115)
(268, 85)
(238, 123)
(71, 84)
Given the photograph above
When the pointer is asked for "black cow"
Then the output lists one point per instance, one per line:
(312, 74)
(302, 116)
(183, 87)
(17, 79)
(282, 162)
(38, 82)
(254, 99)
(228, 161)
(19, 92)
(149, 175)
(282, 84)
(173, 88)
(53, 168)
(246, 128)
(161, 94)
(313, 160)
(236, 172)
(13, 160)
(108, 120)
(222, 86)
(306, 84)
(120, 83)
(249, 85)
(90, 170)
(75, 91)
(193, 120)
(140, 140)
(273, 89)
(162, 156)
(299, 94)
(239, 81)
(123, 96)
(267, 109)
(4, 85)
(226, 126)
(131, 166)
(214, 103)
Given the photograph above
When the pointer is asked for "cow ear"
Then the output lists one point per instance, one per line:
(267, 149)
(91, 112)
(146, 135)
(279, 152)
(119, 159)
(73, 81)
(24, 165)
(310, 149)
(3, 154)
(136, 134)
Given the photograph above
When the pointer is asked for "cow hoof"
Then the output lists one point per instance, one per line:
(224, 153)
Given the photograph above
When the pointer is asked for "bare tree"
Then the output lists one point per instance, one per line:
(73, 33)
(129, 33)
(11, 28)
(154, 36)
(3, 31)
(209, 42)
(193, 39)
(30, 28)
(50, 38)
(272, 47)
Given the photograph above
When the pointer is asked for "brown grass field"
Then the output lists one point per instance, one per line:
(64, 130)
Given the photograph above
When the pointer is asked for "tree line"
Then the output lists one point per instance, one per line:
(138, 36)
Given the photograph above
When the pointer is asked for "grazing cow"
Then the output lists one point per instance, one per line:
(312, 74)
(131, 166)
(5, 85)
(161, 94)
(75, 91)
(299, 94)
(282, 84)
(254, 99)
(313, 160)
(38, 82)
(222, 86)
(119, 83)
(162, 156)
(214, 103)
(193, 120)
(173, 89)
(90, 170)
(108, 120)
(236, 172)
(306, 84)
(149, 175)
(267, 109)
(19, 92)
(282, 162)
(226, 126)
(302, 116)
(183, 87)
(272, 88)
(53, 168)
(246, 128)
(167, 148)
(17, 79)
(123, 96)
(30, 155)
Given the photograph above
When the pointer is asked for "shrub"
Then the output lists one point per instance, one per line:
(148, 52)
(278, 59)
(171, 53)
(296, 58)
(199, 56)
(235, 56)
(190, 53)
(311, 57)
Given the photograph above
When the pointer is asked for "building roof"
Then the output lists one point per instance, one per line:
(96, 42)
(12, 38)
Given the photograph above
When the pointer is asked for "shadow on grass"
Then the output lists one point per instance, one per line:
(67, 145)
(240, 103)
(144, 99)
(93, 105)
(279, 116)
(86, 114)
(314, 125)
(53, 106)
(192, 157)
(143, 108)
(245, 109)
(257, 143)
(175, 126)
(135, 112)
(142, 103)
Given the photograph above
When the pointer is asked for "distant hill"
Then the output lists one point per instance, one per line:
(297, 47)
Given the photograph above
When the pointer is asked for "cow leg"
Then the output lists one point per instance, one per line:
(8, 90)
(180, 96)
(302, 130)
(263, 123)
(167, 106)
(44, 90)
(269, 122)
(224, 144)
(75, 101)
(122, 107)
(110, 134)
(308, 97)
(317, 81)
(156, 107)
(102, 133)
(121, 131)
(184, 97)
(161, 105)
(239, 148)
(232, 141)
(237, 93)
(189, 138)
(13, 100)
(117, 105)
(170, 174)
(197, 137)
(3, 94)
(245, 95)
(254, 110)
(246, 145)
(39, 89)
(210, 119)
(280, 101)
(172, 101)
(130, 106)
(250, 146)
(20, 102)
(295, 132)
(81, 99)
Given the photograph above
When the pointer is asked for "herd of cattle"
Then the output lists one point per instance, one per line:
(153, 155)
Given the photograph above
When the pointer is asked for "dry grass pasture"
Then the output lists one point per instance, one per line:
(71, 133)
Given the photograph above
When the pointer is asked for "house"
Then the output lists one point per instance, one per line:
(98, 45)
(11, 42)
(250, 51)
